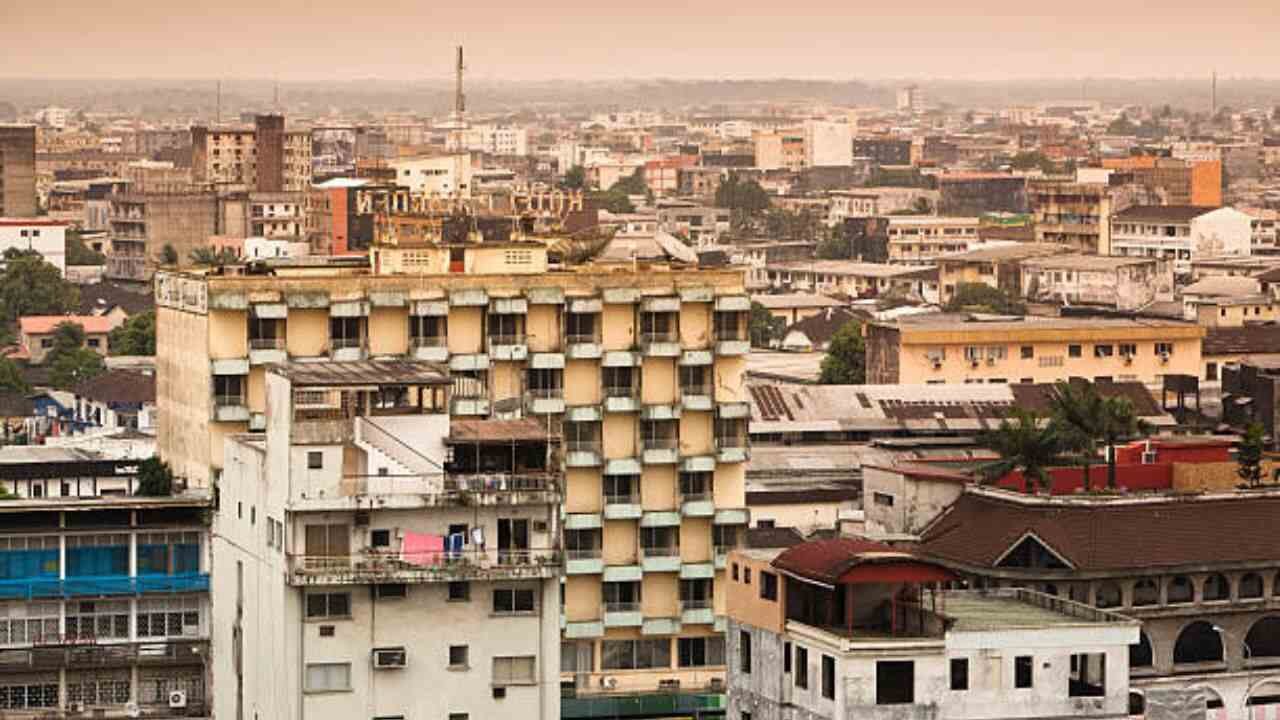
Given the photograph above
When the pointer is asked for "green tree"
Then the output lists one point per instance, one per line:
(613, 201)
(11, 378)
(835, 247)
(984, 298)
(1249, 455)
(168, 255)
(80, 254)
(846, 360)
(212, 258)
(744, 196)
(632, 184)
(1024, 443)
(155, 478)
(575, 178)
(1120, 424)
(763, 327)
(31, 286)
(1080, 414)
(136, 336)
(71, 368)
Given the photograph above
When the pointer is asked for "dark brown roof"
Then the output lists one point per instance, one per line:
(119, 386)
(1109, 536)
(1037, 397)
(773, 537)
(1247, 340)
(806, 495)
(363, 372)
(827, 560)
(1161, 213)
(14, 405)
(99, 298)
(819, 328)
(1268, 276)
(470, 431)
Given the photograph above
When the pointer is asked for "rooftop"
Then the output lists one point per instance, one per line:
(999, 323)
(1086, 263)
(1224, 286)
(851, 268)
(362, 373)
(1018, 251)
(1244, 340)
(45, 324)
(795, 300)
(1161, 213)
(1011, 609)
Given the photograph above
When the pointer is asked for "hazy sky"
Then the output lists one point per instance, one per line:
(592, 39)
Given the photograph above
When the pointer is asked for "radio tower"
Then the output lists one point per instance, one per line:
(1213, 95)
(459, 99)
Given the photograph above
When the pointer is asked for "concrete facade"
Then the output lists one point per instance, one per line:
(18, 171)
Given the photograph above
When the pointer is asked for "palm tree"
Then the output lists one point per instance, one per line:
(1120, 423)
(1024, 443)
(1080, 414)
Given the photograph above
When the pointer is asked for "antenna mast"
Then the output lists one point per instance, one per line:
(459, 99)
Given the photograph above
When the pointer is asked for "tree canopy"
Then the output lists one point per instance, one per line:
(984, 298)
(846, 360)
(742, 195)
(155, 478)
(763, 327)
(1027, 444)
(80, 254)
(70, 363)
(632, 184)
(11, 378)
(31, 286)
(614, 201)
(1249, 455)
(575, 178)
(136, 336)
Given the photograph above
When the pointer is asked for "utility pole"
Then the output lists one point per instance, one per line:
(459, 99)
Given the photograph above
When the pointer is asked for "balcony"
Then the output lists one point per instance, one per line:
(430, 349)
(544, 401)
(582, 346)
(76, 653)
(696, 398)
(731, 449)
(697, 612)
(266, 350)
(34, 588)
(346, 349)
(475, 403)
(584, 629)
(439, 490)
(623, 614)
(720, 555)
(660, 559)
(583, 453)
(660, 626)
(661, 451)
(697, 571)
(622, 399)
(230, 408)
(372, 567)
(732, 342)
(697, 504)
(508, 347)
(622, 506)
(660, 343)
(588, 561)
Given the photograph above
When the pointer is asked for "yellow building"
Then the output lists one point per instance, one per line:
(640, 366)
(958, 348)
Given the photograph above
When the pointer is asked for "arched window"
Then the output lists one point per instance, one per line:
(1250, 586)
(1140, 654)
(1263, 694)
(1137, 704)
(1146, 592)
(1198, 643)
(1181, 590)
(1216, 588)
(1108, 595)
(1263, 639)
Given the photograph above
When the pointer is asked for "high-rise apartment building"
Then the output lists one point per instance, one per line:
(640, 366)
(265, 157)
(382, 559)
(18, 171)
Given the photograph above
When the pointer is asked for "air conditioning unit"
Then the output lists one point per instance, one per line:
(177, 699)
(389, 658)
(132, 710)
(937, 364)
(1128, 359)
(608, 682)
(1164, 357)
(974, 364)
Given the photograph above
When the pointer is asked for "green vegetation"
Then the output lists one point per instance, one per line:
(1027, 444)
(11, 378)
(575, 178)
(80, 254)
(763, 328)
(632, 184)
(31, 286)
(835, 247)
(168, 255)
(137, 336)
(742, 196)
(846, 360)
(1249, 455)
(155, 478)
(980, 297)
(213, 258)
(70, 363)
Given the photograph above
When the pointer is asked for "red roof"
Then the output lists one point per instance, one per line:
(32, 222)
(44, 324)
(828, 561)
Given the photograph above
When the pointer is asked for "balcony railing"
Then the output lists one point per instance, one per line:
(695, 390)
(729, 334)
(664, 336)
(435, 566)
(500, 482)
(344, 342)
(661, 551)
(695, 604)
(581, 339)
(228, 400)
(271, 343)
(546, 393)
(591, 446)
(510, 339)
(661, 443)
(631, 498)
(99, 585)
(621, 391)
(433, 341)
(696, 496)
(731, 441)
(622, 607)
(583, 554)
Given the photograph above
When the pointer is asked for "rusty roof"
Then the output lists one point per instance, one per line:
(497, 431)
(362, 373)
(826, 560)
(1245, 340)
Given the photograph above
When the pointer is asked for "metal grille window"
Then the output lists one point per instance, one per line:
(346, 332)
(155, 685)
(701, 652)
(99, 688)
(18, 692)
(635, 654)
(428, 330)
(28, 623)
(98, 619)
(169, 617)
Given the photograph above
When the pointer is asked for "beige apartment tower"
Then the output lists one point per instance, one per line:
(18, 171)
(639, 366)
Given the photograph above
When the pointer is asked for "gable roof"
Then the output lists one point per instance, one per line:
(982, 526)
(1244, 340)
(1162, 213)
(45, 324)
(119, 386)
(101, 297)
(820, 327)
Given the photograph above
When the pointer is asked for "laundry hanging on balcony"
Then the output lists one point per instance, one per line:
(422, 548)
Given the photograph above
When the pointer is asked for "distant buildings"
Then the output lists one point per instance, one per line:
(1181, 233)
(1077, 215)
(44, 236)
(36, 333)
(910, 99)
(18, 171)
(444, 176)
(265, 157)
(828, 144)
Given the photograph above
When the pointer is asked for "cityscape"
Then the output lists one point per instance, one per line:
(664, 362)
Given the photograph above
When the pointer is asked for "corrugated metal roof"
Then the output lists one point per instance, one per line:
(362, 372)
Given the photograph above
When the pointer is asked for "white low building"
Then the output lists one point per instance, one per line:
(1181, 233)
(444, 176)
(47, 237)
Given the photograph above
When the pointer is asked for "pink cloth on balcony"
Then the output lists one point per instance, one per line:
(422, 548)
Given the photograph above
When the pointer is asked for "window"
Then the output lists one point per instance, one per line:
(514, 670)
(328, 605)
(895, 682)
(786, 658)
(169, 617)
(459, 716)
(1073, 351)
(1164, 349)
(390, 590)
(1128, 350)
(884, 499)
(802, 667)
(459, 591)
(458, 656)
(635, 654)
(828, 677)
(380, 538)
(700, 652)
(959, 673)
(746, 575)
(315, 460)
(744, 651)
(328, 677)
(1022, 671)
(1088, 675)
(1211, 371)
(98, 619)
(735, 571)
(1103, 351)
(508, 601)
(768, 586)
(1028, 352)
